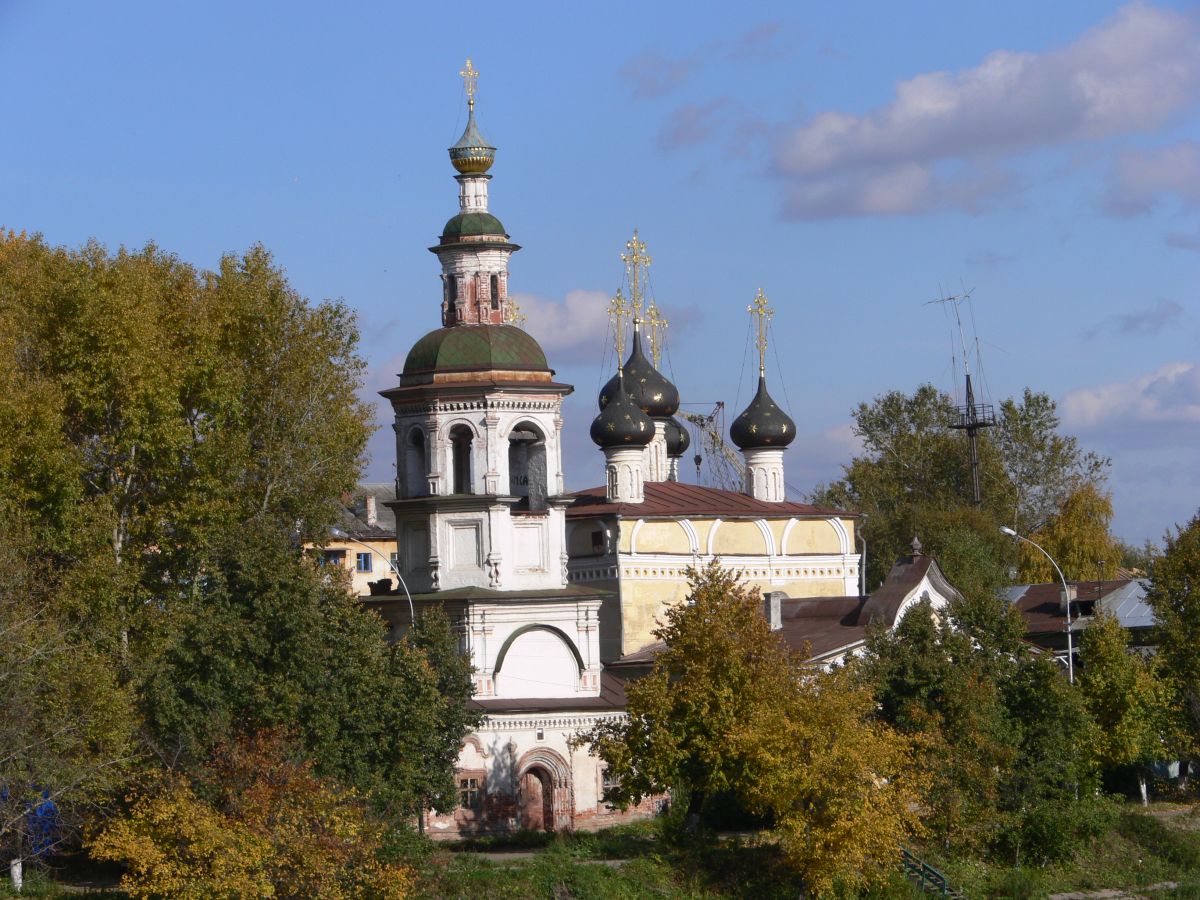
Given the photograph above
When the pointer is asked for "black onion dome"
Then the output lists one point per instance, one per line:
(762, 423)
(678, 439)
(651, 391)
(621, 422)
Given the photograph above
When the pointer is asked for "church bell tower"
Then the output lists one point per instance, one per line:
(478, 421)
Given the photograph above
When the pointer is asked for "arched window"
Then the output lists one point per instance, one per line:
(495, 292)
(460, 448)
(416, 471)
(527, 466)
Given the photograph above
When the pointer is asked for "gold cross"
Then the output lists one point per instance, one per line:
(636, 262)
(618, 312)
(762, 313)
(470, 75)
(658, 326)
(515, 316)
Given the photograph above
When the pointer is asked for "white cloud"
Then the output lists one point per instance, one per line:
(651, 74)
(1167, 396)
(577, 323)
(1129, 74)
(1181, 241)
(1142, 179)
(693, 123)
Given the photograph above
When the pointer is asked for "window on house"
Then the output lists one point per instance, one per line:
(495, 292)
(609, 782)
(394, 559)
(334, 558)
(362, 562)
(468, 793)
(597, 541)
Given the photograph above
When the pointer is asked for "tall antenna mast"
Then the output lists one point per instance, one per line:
(972, 416)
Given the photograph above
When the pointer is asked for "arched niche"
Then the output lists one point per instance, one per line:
(538, 661)
(416, 466)
(462, 441)
(527, 466)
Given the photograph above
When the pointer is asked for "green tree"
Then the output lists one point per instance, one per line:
(1174, 594)
(727, 708)
(1078, 538)
(1043, 467)
(1049, 792)
(913, 478)
(937, 683)
(423, 727)
(67, 726)
(170, 438)
(721, 666)
(1123, 697)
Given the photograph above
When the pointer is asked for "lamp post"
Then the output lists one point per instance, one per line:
(341, 535)
(1004, 529)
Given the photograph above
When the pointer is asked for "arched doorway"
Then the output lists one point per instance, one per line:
(545, 800)
(537, 800)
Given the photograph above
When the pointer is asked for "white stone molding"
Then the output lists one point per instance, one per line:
(768, 538)
(712, 537)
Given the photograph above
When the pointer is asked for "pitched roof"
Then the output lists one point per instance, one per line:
(352, 518)
(1041, 604)
(674, 498)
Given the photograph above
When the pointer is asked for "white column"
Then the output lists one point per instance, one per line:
(623, 474)
(764, 474)
(473, 193)
(657, 467)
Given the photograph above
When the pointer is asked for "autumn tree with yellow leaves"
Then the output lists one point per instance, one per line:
(728, 708)
(255, 823)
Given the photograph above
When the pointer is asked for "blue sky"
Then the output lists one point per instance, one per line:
(853, 160)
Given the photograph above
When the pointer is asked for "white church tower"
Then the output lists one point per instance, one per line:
(478, 416)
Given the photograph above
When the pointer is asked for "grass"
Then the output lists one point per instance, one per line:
(1138, 851)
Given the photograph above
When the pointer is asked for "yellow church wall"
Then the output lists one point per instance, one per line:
(739, 539)
(625, 535)
(644, 602)
(662, 537)
(813, 536)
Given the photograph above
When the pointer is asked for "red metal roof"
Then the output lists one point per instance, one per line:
(673, 498)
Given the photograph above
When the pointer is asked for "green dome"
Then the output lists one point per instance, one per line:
(472, 225)
(467, 348)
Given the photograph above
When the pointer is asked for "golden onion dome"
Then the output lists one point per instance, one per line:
(472, 155)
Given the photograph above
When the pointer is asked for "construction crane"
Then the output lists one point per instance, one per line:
(717, 464)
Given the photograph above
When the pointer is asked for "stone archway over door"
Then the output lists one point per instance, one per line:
(537, 800)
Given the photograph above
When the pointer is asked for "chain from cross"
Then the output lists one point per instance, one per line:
(658, 325)
(636, 262)
(762, 313)
(470, 76)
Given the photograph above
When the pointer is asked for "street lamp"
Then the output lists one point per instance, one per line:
(341, 535)
(1004, 529)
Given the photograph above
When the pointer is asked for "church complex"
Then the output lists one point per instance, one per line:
(556, 593)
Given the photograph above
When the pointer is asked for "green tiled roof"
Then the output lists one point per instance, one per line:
(473, 224)
(475, 347)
